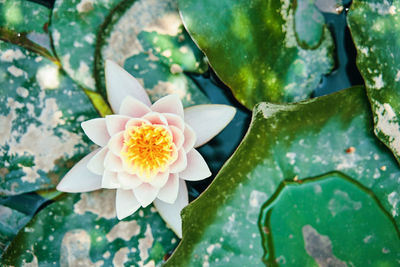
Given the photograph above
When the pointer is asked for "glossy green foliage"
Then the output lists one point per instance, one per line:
(40, 116)
(264, 50)
(374, 27)
(330, 214)
(293, 143)
(147, 37)
(74, 27)
(25, 23)
(82, 230)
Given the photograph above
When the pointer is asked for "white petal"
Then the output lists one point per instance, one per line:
(177, 135)
(110, 180)
(180, 163)
(169, 104)
(125, 203)
(169, 192)
(96, 130)
(146, 193)
(196, 169)
(155, 118)
(113, 162)
(133, 108)
(190, 138)
(79, 178)
(175, 120)
(136, 122)
(128, 181)
(120, 83)
(160, 179)
(208, 120)
(96, 163)
(116, 123)
(116, 143)
(171, 213)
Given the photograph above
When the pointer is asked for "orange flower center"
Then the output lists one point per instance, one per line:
(147, 149)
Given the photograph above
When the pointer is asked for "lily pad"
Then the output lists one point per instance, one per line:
(318, 204)
(15, 212)
(74, 27)
(40, 116)
(25, 23)
(82, 230)
(270, 50)
(290, 143)
(373, 25)
(148, 39)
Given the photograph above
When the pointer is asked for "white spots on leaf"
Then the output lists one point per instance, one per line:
(392, 10)
(124, 230)
(22, 92)
(397, 76)
(256, 199)
(292, 157)
(378, 82)
(89, 38)
(56, 37)
(145, 244)
(394, 201)
(85, 6)
(16, 72)
(48, 77)
(211, 248)
(101, 203)
(10, 55)
(167, 53)
(177, 87)
(269, 110)
(75, 248)
(320, 248)
(341, 201)
(121, 257)
(82, 74)
(367, 239)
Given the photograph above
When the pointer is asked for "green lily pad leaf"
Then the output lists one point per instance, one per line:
(15, 213)
(25, 23)
(373, 25)
(254, 49)
(82, 230)
(149, 40)
(321, 203)
(289, 142)
(40, 114)
(74, 27)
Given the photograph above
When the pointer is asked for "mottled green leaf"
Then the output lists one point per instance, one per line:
(255, 50)
(25, 23)
(323, 207)
(148, 39)
(374, 27)
(15, 212)
(292, 143)
(74, 27)
(40, 114)
(82, 230)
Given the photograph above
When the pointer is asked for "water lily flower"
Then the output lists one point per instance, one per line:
(147, 151)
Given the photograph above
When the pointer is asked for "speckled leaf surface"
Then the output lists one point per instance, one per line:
(293, 143)
(74, 27)
(374, 27)
(40, 114)
(82, 230)
(263, 50)
(25, 23)
(147, 38)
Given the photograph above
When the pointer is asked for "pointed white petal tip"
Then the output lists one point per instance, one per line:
(197, 168)
(79, 179)
(119, 84)
(208, 120)
(126, 203)
(96, 130)
(171, 213)
(169, 104)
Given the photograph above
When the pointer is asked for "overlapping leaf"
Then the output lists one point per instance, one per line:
(374, 27)
(272, 51)
(82, 230)
(148, 39)
(40, 116)
(293, 143)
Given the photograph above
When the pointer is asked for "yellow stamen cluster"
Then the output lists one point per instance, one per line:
(147, 149)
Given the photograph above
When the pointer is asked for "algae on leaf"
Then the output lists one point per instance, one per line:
(330, 137)
(374, 28)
